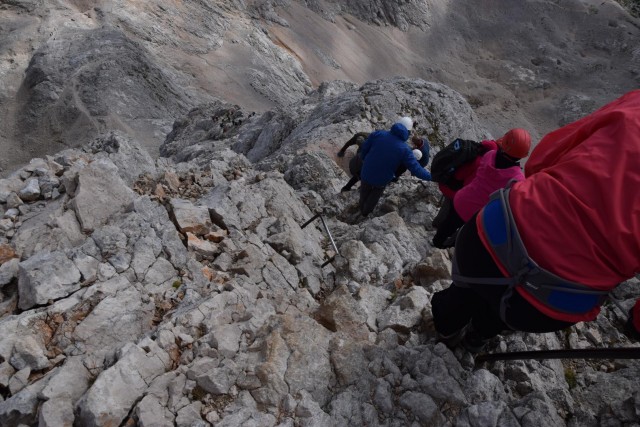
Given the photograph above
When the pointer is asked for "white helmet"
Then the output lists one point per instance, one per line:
(418, 154)
(406, 122)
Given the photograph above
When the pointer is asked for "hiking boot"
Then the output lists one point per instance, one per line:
(473, 342)
(450, 241)
(354, 218)
(351, 209)
(452, 340)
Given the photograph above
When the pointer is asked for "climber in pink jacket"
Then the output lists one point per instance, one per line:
(463, 175)
(495, 169)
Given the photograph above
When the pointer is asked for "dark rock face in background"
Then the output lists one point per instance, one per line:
(90, 81)
(323, 121)
(70, 69)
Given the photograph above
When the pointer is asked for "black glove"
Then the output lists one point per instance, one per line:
(632, 327)
(438, 244)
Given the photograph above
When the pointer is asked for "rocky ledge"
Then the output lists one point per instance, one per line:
(186, 292)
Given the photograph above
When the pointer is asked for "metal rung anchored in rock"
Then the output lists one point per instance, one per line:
(333, 243)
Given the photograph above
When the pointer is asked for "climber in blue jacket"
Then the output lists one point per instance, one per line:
(382, 153)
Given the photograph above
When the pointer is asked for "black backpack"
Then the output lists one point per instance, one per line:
(450, 158)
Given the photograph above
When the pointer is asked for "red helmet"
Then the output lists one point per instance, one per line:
(516, 143)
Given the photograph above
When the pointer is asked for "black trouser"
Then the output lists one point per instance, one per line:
(350, 183)
(446, 206)
(355, 167)
(447, 227)
(369, 196)
(456, 306)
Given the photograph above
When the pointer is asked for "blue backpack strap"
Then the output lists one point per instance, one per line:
(498, 232)
(549, 289)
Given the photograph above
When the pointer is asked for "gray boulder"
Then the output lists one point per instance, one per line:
(405, 312)
(190, 218)
(8, 271)
(118, 388)
(114, 321)
(46, 276)
(29, 353)
(151, 412)
(31, 190)
(100, 194)
(53, 228)
(56, 412)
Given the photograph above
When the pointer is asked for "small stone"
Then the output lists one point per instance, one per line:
(12, 214)
(172, 181)
(31, 191)
(216, 236)
(19, 380)
(203, 247)
(212, 417)
(159, 192)
(6, 224)
(6, 253)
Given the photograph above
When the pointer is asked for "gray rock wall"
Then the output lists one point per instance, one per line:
(85, 82)
(185, 291)
(73, 70)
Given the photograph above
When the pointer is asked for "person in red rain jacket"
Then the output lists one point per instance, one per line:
(578, 216)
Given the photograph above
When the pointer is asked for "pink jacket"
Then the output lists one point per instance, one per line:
(467, 172)
(473, 196)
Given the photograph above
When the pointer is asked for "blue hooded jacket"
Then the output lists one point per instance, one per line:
(383, 152)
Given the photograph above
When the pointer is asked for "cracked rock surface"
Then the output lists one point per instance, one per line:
(189, 291)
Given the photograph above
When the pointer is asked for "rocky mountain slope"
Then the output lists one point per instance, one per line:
(72, 69)
(186, 291)
(161, 158)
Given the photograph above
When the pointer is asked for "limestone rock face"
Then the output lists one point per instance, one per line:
(297, 141)
(119, 387)
(91, 80)
(228, 281)
(100, 193)
(46, 276)
(204, 288)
